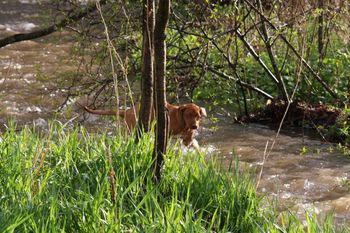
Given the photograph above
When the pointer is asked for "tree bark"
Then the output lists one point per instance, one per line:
(146, 108)
(162, 17)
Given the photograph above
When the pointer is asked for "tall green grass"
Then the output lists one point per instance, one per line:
(62, 181)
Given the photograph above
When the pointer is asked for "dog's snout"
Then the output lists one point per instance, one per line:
(194, 127)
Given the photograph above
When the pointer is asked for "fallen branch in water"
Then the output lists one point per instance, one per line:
(48, 30)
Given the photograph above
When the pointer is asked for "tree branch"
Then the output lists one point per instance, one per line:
(244, 84)
(268, 44)
(314, 73)
(256, 56)
(48, 30)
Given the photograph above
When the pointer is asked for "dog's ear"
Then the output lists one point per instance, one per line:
(203, 112)
(181, 111)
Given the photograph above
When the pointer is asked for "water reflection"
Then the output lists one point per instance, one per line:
(19, 16)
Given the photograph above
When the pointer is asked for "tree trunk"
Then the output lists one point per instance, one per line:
(146, 108)
(162, 17)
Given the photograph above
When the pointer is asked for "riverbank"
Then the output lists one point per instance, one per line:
(72, 180)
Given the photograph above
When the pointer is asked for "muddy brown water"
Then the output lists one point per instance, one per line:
(301, 172)
(317, 180)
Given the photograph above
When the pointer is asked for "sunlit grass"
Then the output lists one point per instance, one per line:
(60, 181)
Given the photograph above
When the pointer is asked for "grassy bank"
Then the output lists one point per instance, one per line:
(60, 181)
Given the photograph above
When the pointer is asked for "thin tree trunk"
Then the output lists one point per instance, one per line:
(266, 39)
(162, 18)
(146, 109)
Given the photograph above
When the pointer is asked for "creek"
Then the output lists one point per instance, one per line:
(301, 171)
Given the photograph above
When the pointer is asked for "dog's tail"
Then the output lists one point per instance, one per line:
(105, 112)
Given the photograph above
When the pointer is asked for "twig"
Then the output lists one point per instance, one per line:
(114, 55)
(266, 155)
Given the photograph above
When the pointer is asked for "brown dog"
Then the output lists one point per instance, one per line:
(184, 119)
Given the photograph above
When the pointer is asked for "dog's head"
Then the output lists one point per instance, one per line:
(191, 115)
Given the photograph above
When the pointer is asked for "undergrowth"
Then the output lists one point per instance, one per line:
(61, 180)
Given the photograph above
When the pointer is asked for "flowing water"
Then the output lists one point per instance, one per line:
(302, 172)
(26, 91)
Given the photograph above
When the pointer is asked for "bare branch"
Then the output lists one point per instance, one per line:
(238, 81)
(46, 31)
(268, 44)
(312, 71)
